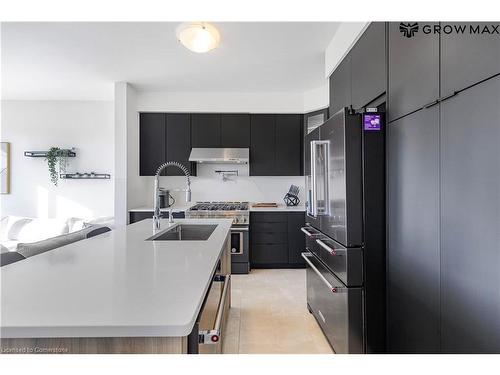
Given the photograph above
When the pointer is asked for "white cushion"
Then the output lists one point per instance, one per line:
(40, 229)
(7, 246)
(11, 226)
(75, 223)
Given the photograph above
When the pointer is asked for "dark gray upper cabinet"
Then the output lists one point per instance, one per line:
(413, 71)
(206, 130)
(413, 239)
(152, 140)
(262, 145)
(368, 67)
(276, 145)
(164, 137)
(340, 86)
(178, 142)
(467, 58)
(470, 220)
(235, 130)
(289, 136)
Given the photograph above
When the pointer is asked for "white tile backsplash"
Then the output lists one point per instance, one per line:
(208, 186)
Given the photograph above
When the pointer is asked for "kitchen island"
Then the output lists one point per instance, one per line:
(114, 293)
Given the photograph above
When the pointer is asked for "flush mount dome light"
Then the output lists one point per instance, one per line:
(198, 37)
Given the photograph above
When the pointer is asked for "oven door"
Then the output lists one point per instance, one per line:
(207, 336)
(240, 260)
(337, 309)
(238, 234)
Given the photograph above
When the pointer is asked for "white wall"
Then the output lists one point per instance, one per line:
(344, 38)
(317, 98)
(257, 102)
(130, 188)
(38, 125)
(208, 186)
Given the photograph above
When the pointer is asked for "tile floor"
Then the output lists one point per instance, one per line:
(269, 315)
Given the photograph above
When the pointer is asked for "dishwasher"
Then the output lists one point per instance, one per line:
(207, 336)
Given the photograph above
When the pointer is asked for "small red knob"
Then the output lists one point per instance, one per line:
(334, 290)
(215, 338)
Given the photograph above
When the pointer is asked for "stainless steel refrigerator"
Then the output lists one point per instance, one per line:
(345, 230)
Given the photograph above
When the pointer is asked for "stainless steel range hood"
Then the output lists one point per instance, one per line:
(220, 155)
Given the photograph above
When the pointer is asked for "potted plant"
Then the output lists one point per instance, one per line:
(55, 156)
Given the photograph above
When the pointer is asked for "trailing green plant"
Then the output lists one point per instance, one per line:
(55, 156)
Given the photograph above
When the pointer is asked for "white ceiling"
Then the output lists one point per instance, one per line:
(82, 60)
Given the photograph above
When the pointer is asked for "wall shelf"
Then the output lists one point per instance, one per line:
(43, 154)
(85, 176)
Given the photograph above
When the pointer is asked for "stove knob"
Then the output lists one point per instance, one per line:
(236, 219)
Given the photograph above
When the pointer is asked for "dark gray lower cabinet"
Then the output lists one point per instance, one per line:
(135, 216)
(470, 222)
(296, 244)
(413, 238)
(276, 240)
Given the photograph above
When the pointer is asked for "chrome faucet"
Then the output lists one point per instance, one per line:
(157, 211)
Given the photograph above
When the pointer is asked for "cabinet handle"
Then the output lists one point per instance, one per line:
(431, 103)
(326, 247)
(448, 96)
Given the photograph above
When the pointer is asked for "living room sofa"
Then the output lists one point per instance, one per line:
(22, 237)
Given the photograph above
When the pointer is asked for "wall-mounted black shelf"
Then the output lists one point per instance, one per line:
(85, 176)
(43, 154)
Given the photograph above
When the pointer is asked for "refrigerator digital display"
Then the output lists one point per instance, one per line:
(372, 122)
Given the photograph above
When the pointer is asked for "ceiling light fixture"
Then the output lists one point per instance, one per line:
(198, 37)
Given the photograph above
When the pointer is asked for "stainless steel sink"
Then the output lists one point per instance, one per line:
(185, 232)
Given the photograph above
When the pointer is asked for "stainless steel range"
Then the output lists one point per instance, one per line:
(238, 211)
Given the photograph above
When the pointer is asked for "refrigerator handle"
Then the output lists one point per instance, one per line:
(325, 209)
(314, 204)
(326, 180)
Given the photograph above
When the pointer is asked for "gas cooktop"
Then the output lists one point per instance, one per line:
(220, 206)
(238, 211)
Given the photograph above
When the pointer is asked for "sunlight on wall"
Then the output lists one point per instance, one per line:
(42, 195)
(68, 208)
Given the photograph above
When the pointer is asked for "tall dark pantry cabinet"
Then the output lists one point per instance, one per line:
(443, 193)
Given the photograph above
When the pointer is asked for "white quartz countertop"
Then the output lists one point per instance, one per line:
(281, 207)
(113, 285)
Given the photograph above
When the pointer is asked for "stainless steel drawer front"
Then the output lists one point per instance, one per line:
(345, 263)
(214, 315)
(338, 309)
